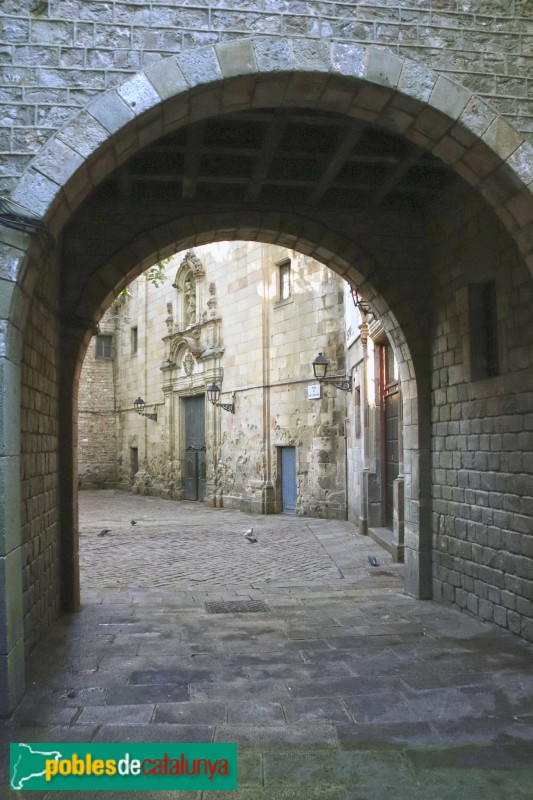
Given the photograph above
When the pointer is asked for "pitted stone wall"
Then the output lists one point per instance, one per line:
(268, 347)
(56, 57)
(482, 429)
(39, 461)
(97, 434)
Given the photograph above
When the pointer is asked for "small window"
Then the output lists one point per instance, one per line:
(104, 346)
(284, 280)
(134, 340)
(484, 362)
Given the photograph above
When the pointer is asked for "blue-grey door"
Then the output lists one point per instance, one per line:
(288, 479)
(195, 473)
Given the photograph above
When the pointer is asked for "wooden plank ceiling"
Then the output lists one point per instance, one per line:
(283, 158)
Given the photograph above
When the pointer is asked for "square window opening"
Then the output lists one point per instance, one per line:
(104, 346)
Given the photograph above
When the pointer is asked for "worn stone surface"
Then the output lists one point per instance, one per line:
(341, 690)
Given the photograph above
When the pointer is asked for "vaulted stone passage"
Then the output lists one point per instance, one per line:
(396, 178)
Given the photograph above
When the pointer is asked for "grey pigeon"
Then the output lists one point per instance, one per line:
(373, 561)
(134, 522)
(104, 532)
(249, 535)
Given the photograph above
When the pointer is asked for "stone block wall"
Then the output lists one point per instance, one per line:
(57, 54)
(482, 429)
(97, 420)
(269, 369)
(40, 462)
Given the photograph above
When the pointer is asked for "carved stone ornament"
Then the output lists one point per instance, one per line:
(188, 363)
(170, 318)
(189, 292)
(212, 302)
(189, 263)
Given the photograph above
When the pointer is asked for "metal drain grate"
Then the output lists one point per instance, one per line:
(235, 606)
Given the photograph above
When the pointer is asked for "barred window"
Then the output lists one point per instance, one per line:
(104, 346)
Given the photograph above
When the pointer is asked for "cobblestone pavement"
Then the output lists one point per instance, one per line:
(343, 688)
(186, 545)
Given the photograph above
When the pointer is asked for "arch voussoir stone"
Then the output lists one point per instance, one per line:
(36, 192)
(139, 94)
(236, 58)
(307, 69)
(111, 111)
(200, 66)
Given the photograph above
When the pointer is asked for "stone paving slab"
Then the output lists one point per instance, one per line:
(344, 689)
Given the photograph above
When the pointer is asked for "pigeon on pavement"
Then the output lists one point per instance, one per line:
(249, 535)
(104, 531)
(373, 561)
(134, 522)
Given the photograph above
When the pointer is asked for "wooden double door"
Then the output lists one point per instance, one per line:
(390, 430)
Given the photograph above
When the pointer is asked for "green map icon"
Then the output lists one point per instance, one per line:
(28, 762)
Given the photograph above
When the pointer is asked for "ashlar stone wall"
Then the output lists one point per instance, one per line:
(269, 370)
(97, 428)
(482, 429)
(39, 460)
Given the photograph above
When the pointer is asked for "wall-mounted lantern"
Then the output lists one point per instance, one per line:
(139, 406)
(360, 304)
(213, 395)
(320, 368)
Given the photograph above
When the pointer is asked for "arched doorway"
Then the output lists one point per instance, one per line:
(105, 243)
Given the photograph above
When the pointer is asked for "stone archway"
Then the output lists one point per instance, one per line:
(364, 83)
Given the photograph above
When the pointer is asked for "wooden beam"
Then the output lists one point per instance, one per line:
(335, 165)
(271, 142)
(394, 179)
(193, 154)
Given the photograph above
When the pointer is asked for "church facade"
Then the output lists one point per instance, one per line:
(273, 439)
